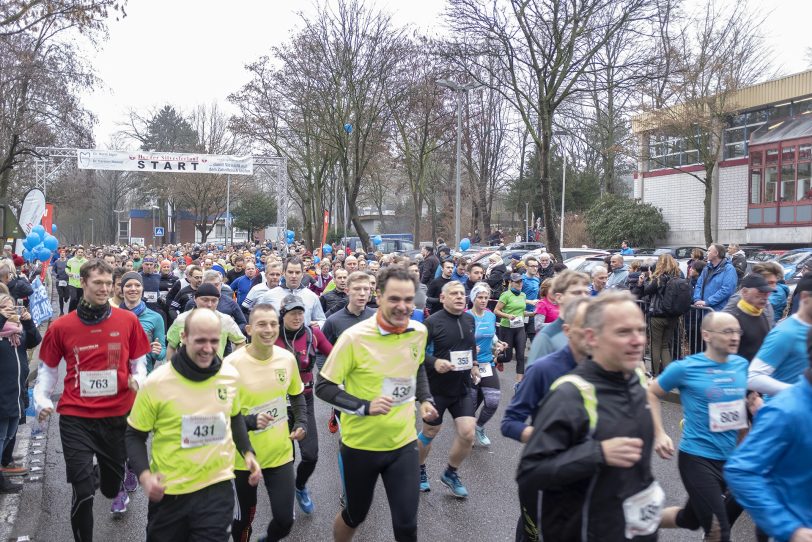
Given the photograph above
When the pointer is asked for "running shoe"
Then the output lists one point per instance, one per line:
(130, 480)
(500, 367)
(119, 506)
(305, 503)
(14, 469)
(424, 480)
(481, 437)
(452, 481)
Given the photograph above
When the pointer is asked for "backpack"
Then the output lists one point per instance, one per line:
(677, 297)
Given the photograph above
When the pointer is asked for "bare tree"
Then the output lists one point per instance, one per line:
(536, 53)
(716, 55)
(17, 17)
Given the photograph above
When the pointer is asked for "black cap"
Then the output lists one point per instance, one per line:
(515, 277)
(290, 303)
(754, 280)
(805, 284)
(515, 256)
(207, 290)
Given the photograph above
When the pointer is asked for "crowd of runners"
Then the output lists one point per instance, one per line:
(192, 372)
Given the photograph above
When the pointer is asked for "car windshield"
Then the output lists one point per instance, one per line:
(790, 259)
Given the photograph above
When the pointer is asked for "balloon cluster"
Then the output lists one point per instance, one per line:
(39, 245)
(290, 236)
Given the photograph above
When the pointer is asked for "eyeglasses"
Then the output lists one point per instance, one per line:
(728, 332)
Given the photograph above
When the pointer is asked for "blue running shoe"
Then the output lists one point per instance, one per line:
(452, 481)
(424, 481)
(303, 498)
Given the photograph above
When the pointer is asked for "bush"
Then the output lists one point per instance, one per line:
(615, 218)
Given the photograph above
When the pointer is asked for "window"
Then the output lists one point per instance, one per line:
(804, 181)
(788, 154)
(772, 156)
(788, 181)
(755, 186)
(771, 184)
(756, 158)
(219, 230)
(805, 152)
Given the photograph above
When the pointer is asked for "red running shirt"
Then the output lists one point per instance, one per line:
(96, 351)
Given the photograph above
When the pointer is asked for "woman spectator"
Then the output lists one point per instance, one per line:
(696, 256)
(780, 297)
(546, 309)
(662, 326)
(322, 277)
(495, 274)
(17, 335)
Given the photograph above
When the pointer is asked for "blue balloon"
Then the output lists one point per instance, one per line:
(327, 249)
(32, 240)
(290, 233)
(39, 230)
(348, 128)
(50, 242)
(53, 228)
(377, 240)
(316, 259)
(27, 256)
(465, 244)
(41, 253)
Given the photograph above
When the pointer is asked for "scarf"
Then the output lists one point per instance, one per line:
(12, 331)
(386, 326)
(747, 308)
(91, 315)
(138, 310)
(187, 368)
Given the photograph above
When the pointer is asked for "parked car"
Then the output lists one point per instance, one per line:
(793, 260)
(678, 252)
(767, 255)
(589, 263)
(525, 245)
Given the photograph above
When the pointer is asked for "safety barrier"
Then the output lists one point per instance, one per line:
(687, 336)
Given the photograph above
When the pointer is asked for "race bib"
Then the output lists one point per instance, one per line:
(276, 409)
(98, 383)
(727, 416)
(517, 323)
(61, 283)
(643, 511)
(485, 370)
(198, 431)
(399, 389)
(461, 360)
(151, 297)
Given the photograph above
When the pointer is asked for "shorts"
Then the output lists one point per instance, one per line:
(459, 407)
(202, 516)
(82, 438)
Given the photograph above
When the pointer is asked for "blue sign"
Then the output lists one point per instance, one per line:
(159, 231)
(39, 303)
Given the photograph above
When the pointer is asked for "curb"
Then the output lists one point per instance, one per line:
(13, 526)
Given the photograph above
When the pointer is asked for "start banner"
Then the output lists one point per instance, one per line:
(164, 162)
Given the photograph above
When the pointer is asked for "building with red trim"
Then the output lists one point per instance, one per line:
(763, 183)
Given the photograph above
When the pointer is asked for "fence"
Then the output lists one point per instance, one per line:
(687, 337)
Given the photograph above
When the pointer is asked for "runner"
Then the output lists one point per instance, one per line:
(714, 415)
(380, 363)
(303, 342)
(782, 358)
(524, 405)
(356, 310)
(487, 390)
(335, 300)
(450, 365)
(512, 310)
(105, 352)
(207, 296)
(74, 266)
(152, 322)
(178, 301)
(590, 452)
(531, 284)
(293, 271)
(273, 275)
(770, 473)
(267, 375)
(190, 406)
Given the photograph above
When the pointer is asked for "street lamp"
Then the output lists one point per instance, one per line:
(459, 89)
(153, 224)
(92, 231)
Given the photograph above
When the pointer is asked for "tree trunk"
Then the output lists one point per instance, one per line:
(543, 152)
(417, 201)
(708, 203)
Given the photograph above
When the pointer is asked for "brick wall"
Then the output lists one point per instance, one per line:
(733, 198)
(679, 196)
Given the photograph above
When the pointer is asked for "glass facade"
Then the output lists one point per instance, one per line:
(781, 183)
(669, 152)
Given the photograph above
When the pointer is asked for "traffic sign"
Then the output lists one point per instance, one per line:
(159, 231)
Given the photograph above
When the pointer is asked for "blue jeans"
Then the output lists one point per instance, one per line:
(8, 429)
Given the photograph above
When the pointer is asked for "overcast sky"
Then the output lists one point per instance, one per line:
(186, 53)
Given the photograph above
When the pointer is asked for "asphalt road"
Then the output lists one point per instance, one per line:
(489, 514)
